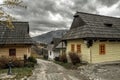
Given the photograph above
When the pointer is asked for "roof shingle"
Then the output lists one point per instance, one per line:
(19, 35)
(93, 26)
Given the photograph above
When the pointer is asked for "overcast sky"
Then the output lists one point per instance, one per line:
(48, 15)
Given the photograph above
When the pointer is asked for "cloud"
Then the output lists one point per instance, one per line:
(107, 3)
(1, 1)
(48, 15)
(113, 10)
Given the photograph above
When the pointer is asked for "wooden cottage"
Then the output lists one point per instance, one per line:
(15, 42)
(95, 38)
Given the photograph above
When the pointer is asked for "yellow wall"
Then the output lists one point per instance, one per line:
(112, 52)
(92, 55)
(85, 52)
(20, 51)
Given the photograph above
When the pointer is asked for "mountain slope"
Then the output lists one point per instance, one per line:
(47, 37)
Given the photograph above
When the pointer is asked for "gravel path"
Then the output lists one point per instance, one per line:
(101, 71)
(46, 70)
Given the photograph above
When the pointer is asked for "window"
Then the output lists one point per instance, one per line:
(108, 24)
(102, 49)
(12, 52)
(78, 48)
(50, 53)
(72, 47)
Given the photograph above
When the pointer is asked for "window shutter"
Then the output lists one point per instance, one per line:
(102, 50)
(78, 48)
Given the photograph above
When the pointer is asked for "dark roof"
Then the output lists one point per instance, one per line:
(18, 35)
(53, 43)
(50, 47)
(93, 26)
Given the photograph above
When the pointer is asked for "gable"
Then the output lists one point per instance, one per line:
(77, 22)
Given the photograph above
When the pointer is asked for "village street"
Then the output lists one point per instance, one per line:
(46, 70)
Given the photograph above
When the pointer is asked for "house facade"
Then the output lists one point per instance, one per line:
(94, 38)
(61, 47)
(52, 50)
(15, 42)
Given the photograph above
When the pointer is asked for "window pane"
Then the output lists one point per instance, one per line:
(78, 48)
(102, 49)
(12, 52)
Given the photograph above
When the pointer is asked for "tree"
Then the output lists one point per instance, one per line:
(5, 18)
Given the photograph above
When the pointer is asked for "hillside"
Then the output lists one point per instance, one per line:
(47, 37)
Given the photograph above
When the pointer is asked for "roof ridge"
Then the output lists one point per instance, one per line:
(98, 15)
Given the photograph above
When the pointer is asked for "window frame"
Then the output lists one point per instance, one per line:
(102, 49)
(78, 48)
(12, 52)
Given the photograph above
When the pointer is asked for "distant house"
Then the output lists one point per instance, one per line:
(15, 42)
(95, 38)
(52, 50)
(61, 47)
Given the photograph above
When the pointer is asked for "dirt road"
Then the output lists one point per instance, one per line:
(46, 70)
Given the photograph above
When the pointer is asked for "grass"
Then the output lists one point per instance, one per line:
(68, 65)
(20, 72)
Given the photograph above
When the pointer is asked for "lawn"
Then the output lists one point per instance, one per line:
(19, 72)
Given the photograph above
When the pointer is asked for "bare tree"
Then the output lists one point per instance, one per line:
(5, 18)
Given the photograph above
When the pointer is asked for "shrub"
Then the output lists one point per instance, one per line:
(63, 58)
(32, 59)
(18, 63)
(4, 62)
(25, 58)
(57, 59)
(74, 58)
(45, 57)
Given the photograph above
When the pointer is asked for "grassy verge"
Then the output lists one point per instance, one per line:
(20, 72)
(68, 65)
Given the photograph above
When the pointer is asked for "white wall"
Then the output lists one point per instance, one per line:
(52, 54)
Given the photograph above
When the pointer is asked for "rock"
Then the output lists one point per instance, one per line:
(5, 76)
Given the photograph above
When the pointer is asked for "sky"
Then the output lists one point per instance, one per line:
(47, 15)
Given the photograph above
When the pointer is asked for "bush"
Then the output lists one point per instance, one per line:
(18, 63)
(57, 59)
(25, 58)
(63, 58)
(32, 59)
(45, 57)
(74, 58)
(4, 62)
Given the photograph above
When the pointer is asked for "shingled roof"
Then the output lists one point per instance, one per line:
(93, 26)
(54, 43)
(19, 35)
